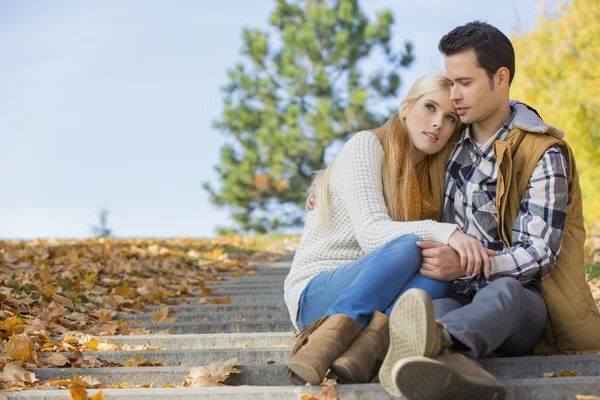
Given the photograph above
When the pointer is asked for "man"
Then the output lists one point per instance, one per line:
(510, 181)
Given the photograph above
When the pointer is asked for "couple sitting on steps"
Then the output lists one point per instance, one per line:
(376, 279)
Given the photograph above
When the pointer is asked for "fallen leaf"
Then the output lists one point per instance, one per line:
(15, 375)
(565, 372)
(548, 375)
(327, 393)
(161, 316)
(57, 360)
(138, 361)
(45, 274)
(20, 347)
(78, 393)
(280, 346)
(220, 300)
(211, 375)
(587, 397)
(63, 301)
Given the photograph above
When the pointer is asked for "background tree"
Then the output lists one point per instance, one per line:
(102, 230)
(557, 73)
(292, 97)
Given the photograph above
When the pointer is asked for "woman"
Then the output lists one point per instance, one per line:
(358, 251)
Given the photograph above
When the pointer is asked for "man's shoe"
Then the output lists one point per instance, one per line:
(318, 346)
(414, 331)
(356, 365)
(451, 376)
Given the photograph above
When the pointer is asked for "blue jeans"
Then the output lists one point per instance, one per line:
(372, 283)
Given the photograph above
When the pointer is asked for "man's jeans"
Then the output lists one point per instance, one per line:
(503, 317)
(372, 283)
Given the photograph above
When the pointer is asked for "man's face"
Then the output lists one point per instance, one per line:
(470, 88)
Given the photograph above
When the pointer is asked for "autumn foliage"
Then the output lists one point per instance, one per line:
(60, 297)
(557, 73)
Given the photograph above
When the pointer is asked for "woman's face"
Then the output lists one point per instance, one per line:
(430, 123)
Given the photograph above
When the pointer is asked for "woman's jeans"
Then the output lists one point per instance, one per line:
(372, 283)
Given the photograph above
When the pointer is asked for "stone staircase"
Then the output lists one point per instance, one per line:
(258, 332)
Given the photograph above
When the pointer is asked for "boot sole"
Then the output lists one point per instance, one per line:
(302, 372)
(345, 374)
(412, 333)
(424, 378)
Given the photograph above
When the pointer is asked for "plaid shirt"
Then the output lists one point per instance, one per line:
(470, 202)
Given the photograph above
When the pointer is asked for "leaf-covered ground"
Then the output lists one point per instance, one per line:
(64, 296)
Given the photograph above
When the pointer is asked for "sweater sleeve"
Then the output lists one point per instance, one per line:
(357, 176)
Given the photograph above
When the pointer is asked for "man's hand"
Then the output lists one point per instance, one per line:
(442, 262)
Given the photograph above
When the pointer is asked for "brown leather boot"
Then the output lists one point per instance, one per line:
(318, 346)
(370, 345)
(447, 377)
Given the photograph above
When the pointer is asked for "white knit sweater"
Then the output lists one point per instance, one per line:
(359, 222)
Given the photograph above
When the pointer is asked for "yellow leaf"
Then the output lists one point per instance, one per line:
(49, 291)
(20, 347)
(78, 393)
(565, 372)
(160, 316)
(98, 396)
(219, 300)
(45, 274)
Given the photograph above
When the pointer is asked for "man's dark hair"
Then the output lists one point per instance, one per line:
(492, 48)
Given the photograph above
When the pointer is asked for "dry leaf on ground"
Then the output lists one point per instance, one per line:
(80, 393)
(161, 316)
(138, 361)
(15, 377)
(587, 397)
(213, 374)
(327, 393)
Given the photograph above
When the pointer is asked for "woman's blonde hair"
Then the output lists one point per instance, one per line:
(400, 176)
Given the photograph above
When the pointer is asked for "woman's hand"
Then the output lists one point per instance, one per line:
(472, 253)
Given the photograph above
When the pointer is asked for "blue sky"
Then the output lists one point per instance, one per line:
(112, 102)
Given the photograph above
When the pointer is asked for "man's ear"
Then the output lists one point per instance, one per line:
(502, 77)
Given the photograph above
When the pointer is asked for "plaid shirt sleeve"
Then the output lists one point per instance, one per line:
(538, 230)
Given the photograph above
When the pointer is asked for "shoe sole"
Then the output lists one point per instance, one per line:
(301, 372)
(424, 378)
(412, 331)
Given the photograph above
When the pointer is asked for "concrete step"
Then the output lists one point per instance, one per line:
(243, 292)
(227, 327)
(530, 389)
(208, 341)
(262, 375)
(223, 316)
(235, 285)
(258, 298)
(276, 374)
(196, 357)
(221, 307)
(346, 392)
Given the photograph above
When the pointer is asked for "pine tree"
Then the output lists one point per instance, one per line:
(292, 97)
